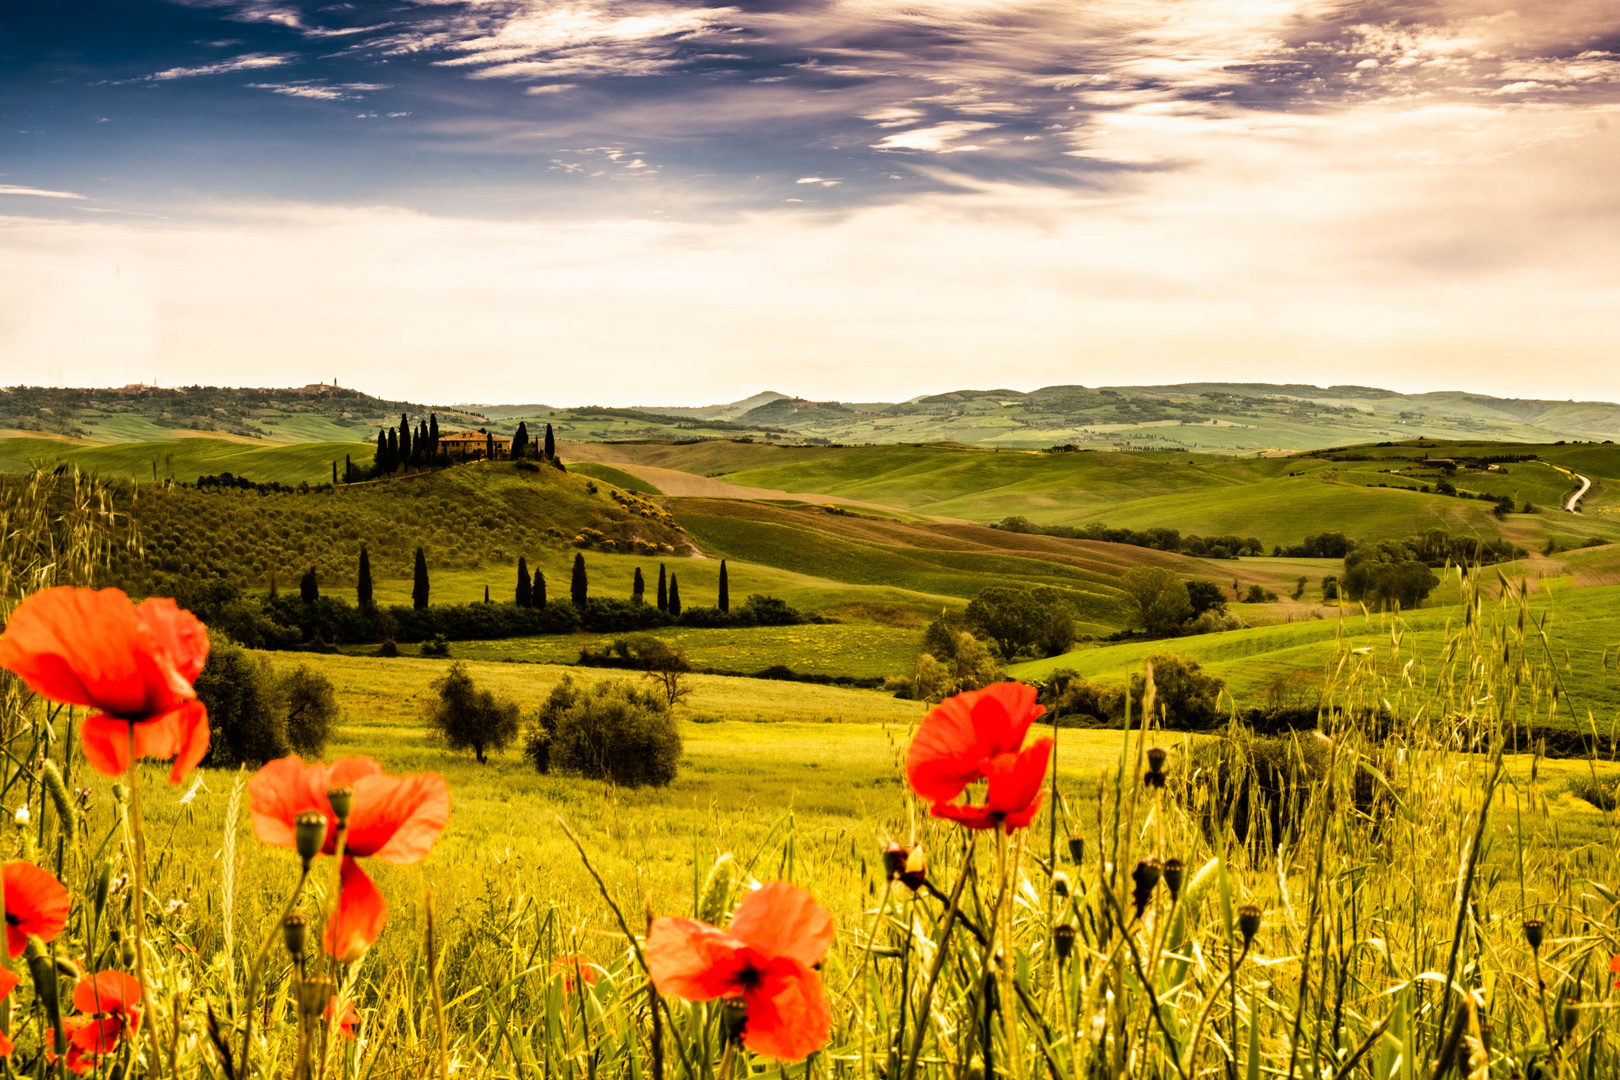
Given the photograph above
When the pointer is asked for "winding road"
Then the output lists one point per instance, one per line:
(1572, 504)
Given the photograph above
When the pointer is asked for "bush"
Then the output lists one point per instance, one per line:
(611, 731)
(1205, 596)
(1214, 622)
(1185, 695)
(1072, 701)
(256, 715)
(1035, 621)
(470, 718)
(1258, 595)
(437, 646)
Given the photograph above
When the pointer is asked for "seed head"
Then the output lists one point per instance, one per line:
(1248, 921)
(1060, 885)
(295, 932)
(342, 800)
(1173, 873)
(1063, 941)
(1077, 848)
(309, 834)
(1535, 931)
(1155, 775)
(1146, 875)
(313, 995)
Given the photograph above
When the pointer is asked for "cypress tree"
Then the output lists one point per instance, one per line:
(393, 450)
(577, 588)
(308, 590)
(272, 585)
(724, 603)
(420, 443)
(675, 595)
(551, 444)
(419, 591)
(525, 589)
(638, 587)
(334, 472)
(663, 589)
(486, 594)
(489, 446)
(538, 593)
(404, 439)
(348, 470)
(433, 435)
(362, 588)
(379, 464)
(520, 442)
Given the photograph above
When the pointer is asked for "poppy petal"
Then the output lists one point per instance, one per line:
(106, 992)
(100, 1036)
(1020, 819)
(76, 646)
(361, 915)
(6, 1047)
(1005, 710)
(781, 919)
(178, 635)
(946, 754)
(36, 903)
(397, 819)
(969, 817)
(276, 795)
(694, 960)
(8, 981)
(181, 734)
(106, 744)
(1015, 779)
(788, 1016)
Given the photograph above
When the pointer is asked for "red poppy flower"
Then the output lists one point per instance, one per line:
(8, 983)
(36, 903)
(77, 1060)
(344, 1026)
(767, 959)
(978, 735)
(111, 1000)
(568, 965)
(1614, 967)
(132, 665)
(395, 819)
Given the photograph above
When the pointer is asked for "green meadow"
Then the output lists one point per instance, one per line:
(186, 459)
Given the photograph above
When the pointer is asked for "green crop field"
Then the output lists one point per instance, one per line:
(187, 459)
(1294, 660)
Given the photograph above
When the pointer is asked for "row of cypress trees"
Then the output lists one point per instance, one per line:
(403, 447)
(531, 589)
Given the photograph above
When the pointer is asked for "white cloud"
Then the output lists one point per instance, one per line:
(936, 139)
(13, 189)
(552, 88)
(249, 62)
(316, 91)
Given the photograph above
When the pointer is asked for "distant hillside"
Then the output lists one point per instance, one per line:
(1213, 417)
(314, 413)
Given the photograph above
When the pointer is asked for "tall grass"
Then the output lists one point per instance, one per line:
(1394, 902)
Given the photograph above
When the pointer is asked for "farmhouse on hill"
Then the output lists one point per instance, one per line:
(472, 445)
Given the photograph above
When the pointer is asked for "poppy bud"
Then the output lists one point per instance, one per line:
(1146, 876)
(1248, 921)
(1062, 941)
(309, 833)
(295, 932)
(68, 968)
(44, 974)
(57, 789)
(1077, 848)
(1155, 773)
(1060, 885)
(313, 996)
(905, 865)
(342, 800)
(1534, 933)
(120, 793)
(126, 952)
(733, 1018)
(1173, 872)
(1569, 1013)
(716, 891)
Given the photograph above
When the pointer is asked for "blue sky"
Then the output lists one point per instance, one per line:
(596, 200)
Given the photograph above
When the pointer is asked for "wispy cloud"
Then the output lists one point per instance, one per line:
(41, 193)
(319, 91)
(247, 62)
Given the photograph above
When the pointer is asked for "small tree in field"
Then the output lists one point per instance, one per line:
(551, 445)
(664, 662)
(537, 591)
(419, 590)
(312, 710)
(1155, 598)
(525, 587)
(674, 595)
(610, 731)
(663, 589)
(724, 601)
(520, 442)
(638, 587)
(470, 718)
(578, 585)
(309, 590)
(362, 588)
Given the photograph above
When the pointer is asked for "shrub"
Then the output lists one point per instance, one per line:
(1072, 700)
(1185, 695)
(1258, 595)
(1205, 596)
(610, 731)
(470, 718)
(1213, 622)
(257, 715)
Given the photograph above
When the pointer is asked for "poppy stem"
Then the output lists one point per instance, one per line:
(1004, 917)
(251, 1003)
(139, 831)
(940, 953)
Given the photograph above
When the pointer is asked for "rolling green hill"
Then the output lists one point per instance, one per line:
(187, 459)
